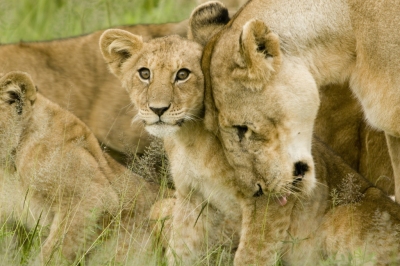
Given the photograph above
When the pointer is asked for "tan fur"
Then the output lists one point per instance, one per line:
(204, 212)
(338, 46)
(210, 202)
(72, 73)
(375, 80)
(344, 221)
(55, 174)
(266, 135)
(324, 46)
(340, 123)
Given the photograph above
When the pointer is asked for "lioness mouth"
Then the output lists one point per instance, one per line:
(281, 199)
(297, 180)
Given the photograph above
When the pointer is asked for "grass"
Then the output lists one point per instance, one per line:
(29, 20)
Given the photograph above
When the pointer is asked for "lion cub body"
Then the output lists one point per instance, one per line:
(205, 214)
(54, 174)
(212, 206)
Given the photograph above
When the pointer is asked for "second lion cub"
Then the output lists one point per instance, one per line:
(54, 174)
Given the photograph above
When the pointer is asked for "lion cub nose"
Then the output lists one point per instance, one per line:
(159, 110)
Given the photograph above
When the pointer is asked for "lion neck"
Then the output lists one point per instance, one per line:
(189, 133)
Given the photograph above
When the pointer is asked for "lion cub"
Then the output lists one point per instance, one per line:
(300, 227)
(54, 174)
(165, 83)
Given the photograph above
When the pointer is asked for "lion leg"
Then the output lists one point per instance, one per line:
(69, 232)
(365, 232)
(193, 230)
(264, 228)
(394, 151)
(161, 216)
(75, 225)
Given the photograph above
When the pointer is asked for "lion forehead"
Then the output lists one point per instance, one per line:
(172, 48)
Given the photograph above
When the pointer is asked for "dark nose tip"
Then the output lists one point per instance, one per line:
(159, 111)
(300, 169)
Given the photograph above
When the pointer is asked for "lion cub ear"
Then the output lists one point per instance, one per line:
(260, 55)
(117, 46)
(17, 88)
(206, 20)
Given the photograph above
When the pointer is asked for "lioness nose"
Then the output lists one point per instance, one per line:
(160, 110)
(300, 168)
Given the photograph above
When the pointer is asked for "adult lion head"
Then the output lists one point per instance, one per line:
(270, 148)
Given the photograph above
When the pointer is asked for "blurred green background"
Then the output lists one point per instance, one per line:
(31, 20)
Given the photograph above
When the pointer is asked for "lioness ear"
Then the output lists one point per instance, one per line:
(206, 20)
(117, 46)
(260, 54)
(17, 88)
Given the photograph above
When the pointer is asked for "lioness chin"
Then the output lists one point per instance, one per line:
(54, 175)
(296, 224)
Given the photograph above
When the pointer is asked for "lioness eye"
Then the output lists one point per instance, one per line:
(144, 73)
(182, 74)
(241, 130)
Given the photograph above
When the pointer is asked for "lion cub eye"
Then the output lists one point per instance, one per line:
(144, 73)
(182, 74)
(241, 131)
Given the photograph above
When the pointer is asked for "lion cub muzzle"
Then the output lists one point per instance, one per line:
(159, 110)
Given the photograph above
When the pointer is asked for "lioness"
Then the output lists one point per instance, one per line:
(302, 222)
(80, 82)
(325, 42)
(54, 174)
(261, 101)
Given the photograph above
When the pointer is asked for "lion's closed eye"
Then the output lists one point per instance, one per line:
(241, 131)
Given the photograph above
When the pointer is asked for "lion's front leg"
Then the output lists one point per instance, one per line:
(75, 226)
(264, 229)
(192, 229)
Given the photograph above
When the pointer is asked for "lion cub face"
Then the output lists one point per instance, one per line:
(163, 78)
(261, 106)
(17, 96)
